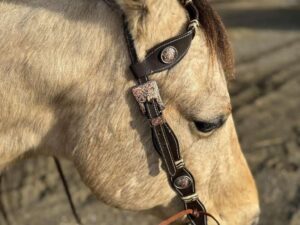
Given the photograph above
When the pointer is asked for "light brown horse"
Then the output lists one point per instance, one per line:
(65, 91)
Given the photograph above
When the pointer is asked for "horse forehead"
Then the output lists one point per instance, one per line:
(204, 83)
(204, 98)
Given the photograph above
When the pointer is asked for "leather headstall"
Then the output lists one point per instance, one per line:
(162, 57)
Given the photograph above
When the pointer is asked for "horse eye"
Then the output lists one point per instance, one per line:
(209, 126)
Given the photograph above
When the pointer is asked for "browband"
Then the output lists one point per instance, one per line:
(164, 56)
(168, 53)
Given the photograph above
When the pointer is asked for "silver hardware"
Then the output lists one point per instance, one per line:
(179, 164)
(190, 198)
(183, 182)
(194, 23)
(145, 93)
(169, 55)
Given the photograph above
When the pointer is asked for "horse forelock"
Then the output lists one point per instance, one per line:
(216, 35)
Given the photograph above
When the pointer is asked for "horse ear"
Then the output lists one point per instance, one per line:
(136, 12)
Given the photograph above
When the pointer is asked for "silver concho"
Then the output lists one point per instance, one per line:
(169, 55)
(182, 182)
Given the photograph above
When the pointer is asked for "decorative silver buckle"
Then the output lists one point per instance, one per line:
(145, 93)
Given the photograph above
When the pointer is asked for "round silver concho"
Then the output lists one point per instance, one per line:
(169, 55)
(182, 182)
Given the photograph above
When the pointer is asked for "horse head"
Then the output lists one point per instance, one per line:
(78, 90)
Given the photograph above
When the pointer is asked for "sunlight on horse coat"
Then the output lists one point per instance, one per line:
(65, 91)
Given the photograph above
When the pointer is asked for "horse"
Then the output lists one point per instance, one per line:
(65, 92)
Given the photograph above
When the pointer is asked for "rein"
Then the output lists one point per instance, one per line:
(67, 191)
(182, 213)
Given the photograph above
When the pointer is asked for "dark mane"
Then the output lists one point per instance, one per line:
(216, 35)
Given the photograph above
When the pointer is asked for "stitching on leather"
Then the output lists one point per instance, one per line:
(161, 46)
(177, 146)
(161, 148)
(161, 145)
(200, 203)
(149, 111)
(167, 43)
(155, 107)
(173, 64)
(167, 143)
(168, 148)
(131, 47)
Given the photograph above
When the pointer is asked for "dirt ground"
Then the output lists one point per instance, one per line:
(265, 96)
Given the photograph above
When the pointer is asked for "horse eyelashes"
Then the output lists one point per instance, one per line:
(209, 126)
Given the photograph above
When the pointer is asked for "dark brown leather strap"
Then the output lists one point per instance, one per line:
(154, 63)
(162, 57)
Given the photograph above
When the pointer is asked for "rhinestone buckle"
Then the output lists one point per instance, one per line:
(145, 93)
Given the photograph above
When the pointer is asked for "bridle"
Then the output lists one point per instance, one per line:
(162, 57)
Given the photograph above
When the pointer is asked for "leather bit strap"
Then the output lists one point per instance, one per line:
(163, 57)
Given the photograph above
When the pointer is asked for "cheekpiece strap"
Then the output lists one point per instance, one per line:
(162, 57)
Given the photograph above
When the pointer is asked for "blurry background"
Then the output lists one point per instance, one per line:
(265, 96)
